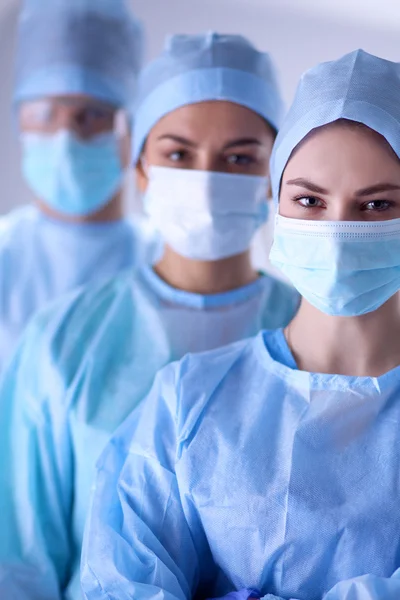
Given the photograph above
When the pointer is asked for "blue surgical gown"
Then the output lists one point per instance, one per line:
(41, 259)
(80, 369)
(264, 477)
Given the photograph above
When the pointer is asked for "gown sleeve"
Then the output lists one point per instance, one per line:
(35, 476)
(138, 542)
(367, 587)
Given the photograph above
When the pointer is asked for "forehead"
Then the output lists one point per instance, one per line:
(213, 118)
(343, 144)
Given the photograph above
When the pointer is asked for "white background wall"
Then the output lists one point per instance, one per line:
(299, 33)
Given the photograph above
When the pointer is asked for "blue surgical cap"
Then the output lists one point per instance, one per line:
(359, 87)
(91, 47)
(198, 68)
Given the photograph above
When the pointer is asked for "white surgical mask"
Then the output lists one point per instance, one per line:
(342, 268)
(204, 215)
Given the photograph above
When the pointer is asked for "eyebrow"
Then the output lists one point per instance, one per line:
(234, 143)
(243, 142)
(369, 191)
(178, 139)
(309, 185)
(375, 189)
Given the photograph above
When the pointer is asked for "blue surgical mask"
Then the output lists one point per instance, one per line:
(342, 268)
(205, 215)
(72, 176)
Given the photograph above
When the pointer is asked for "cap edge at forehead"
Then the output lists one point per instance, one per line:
(71, 80)
(204, 85)
(359, 111)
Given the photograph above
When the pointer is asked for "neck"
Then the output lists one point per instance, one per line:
(206, 277)
(112, 211)
(365, 346)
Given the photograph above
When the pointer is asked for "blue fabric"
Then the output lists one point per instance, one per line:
(73, 176)
(199, 68)
(241, 595)
(82, 366)
(78, 47)
(42, 259)
(359, 87)
(263, 477)
(195, 323)
(342, 268)
(166, 292)
(279, 350)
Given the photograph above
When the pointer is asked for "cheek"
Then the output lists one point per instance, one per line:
(153, 155)
(261, 167)
(287, 208)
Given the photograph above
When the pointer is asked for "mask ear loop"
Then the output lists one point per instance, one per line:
(261, 244)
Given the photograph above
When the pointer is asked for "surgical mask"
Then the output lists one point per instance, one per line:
(72, 176)
(204, 215)
(342, 268)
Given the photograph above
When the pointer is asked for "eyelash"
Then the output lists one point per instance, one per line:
(182, 154)
(297, 199)
(387, 204)
(240, 159)
(232, 159)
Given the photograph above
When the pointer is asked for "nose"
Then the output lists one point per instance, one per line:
(207, 161)
(341, 209)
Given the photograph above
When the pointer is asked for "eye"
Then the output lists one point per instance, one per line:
(378, 205)
(308, 201)
(240, 159)
(177, 155)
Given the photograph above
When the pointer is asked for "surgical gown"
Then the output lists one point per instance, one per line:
(264, 477)
(41, 259)
(80, 369)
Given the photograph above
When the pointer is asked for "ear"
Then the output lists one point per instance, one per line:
(269, 189)
(142, 181)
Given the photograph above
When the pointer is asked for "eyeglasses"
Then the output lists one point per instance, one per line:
(86, 118)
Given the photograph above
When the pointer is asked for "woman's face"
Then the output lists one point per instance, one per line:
(342, 172)
(209, 136)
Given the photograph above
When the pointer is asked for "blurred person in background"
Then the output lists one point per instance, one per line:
(77, 64)
(208, 110)
(206, 118)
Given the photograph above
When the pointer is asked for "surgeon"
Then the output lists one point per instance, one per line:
(77, 64)
(84, 364)
(207, 114)
(278, 465)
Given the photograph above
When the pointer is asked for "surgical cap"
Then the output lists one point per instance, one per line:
(359, 87)
(198, 68)
(91, 47)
